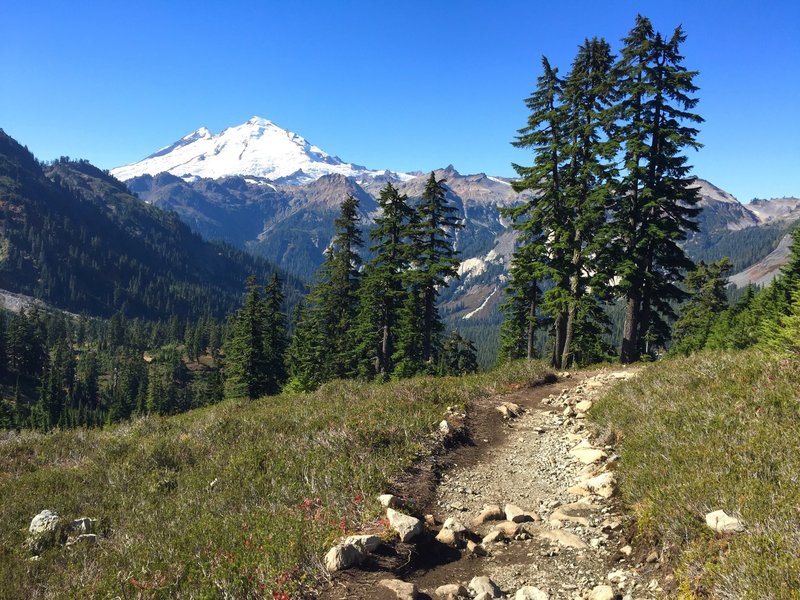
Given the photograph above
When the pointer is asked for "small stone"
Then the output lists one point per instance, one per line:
(626, 550)
(451, 591)
(492, 537)
(491, 512)
(564, 538)
(530, 593)
(602, 485)
(721, 522)
(389, 501)
(517, 515)
(583, 406)
(588, 456)
(406, 526)
(88, 539)
(507, 528)
(484, 585)
(652, 557)
(576, 512)
(430, 520)
(476, 549)
(402, 589)
(445, 428)
(602, 592)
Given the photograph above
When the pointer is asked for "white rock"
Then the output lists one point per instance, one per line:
(389, 501)
(445, 427)
(367, 543)
(343, 556)
(454, 524)
(402, 589)
(564, 538)
(484, 585)
(602, 592)
(515, 514)
(530, 593)
(587, 456)
(83, 525)
(583, 406)
(451, 591)
(721, 522)
(406, 526)
(45, 521)
(88, 539)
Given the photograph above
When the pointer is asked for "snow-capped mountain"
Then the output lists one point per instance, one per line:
(257, 148)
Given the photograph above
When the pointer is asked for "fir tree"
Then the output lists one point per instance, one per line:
(655, 202)
(458, 356)
(432, 260)
(246, 358)
(382, 292)
(275, 341)
(707, 299)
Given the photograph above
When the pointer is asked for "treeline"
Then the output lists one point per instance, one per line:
(57, 370)
(373, 320)
(769, 317)
(612, 200)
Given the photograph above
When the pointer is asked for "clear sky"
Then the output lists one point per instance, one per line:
(405, 85)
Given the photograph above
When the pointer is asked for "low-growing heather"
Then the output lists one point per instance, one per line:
(236, 500)
(715, 431)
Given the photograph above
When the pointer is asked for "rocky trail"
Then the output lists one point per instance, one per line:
(521, 506)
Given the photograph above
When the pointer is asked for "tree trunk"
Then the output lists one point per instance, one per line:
(566, 355)
(629, 352)
(558, 345)
(384, 355)
(531, 328)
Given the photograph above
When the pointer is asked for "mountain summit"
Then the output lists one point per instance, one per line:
(257, 148)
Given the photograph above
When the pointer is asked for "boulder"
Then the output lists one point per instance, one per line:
(83, 525)
(402, 589)
(452, 533)
(492, 537)
(45, 531)
(343, 556)
(530, 592)
(583, 405)
(406, 526)
(721, 522)
(484, 585)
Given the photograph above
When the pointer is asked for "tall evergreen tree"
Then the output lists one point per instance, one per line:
(432, 260)
(246, 358)
(540, 251)
(382, 292)
(275, 341)
(655, 202)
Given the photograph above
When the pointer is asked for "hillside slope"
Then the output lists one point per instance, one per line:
(76, 238)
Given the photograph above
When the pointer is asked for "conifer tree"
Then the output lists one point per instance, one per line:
(275, 341)
(707, 299)
(540, 251)
(432, 260)
(655, 201)
(382, 291)
(246, 358)
(458, 356)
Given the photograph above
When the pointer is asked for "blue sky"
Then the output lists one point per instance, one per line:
(405, 86)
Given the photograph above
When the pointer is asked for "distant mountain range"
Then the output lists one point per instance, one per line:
(266, 189)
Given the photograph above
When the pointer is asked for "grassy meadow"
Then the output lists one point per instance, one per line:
(291, 473)
(715, 431)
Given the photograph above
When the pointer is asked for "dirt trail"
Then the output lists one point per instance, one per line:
(575, 548)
